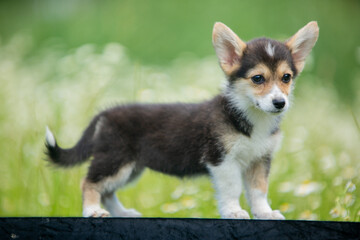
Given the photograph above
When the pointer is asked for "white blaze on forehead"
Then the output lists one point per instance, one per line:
(276, 92)
(270, 49)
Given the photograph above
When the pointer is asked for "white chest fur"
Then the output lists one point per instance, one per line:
(246, 149)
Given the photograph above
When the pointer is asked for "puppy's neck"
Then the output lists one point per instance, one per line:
(250, 120)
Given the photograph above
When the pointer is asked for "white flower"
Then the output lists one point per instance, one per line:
(306, 188)
(350, 187)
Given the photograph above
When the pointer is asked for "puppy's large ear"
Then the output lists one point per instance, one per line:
(302, 42)
(228, 47)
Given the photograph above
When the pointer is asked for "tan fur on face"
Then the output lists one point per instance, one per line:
(265, 88)
(283, 68)
(271, 78)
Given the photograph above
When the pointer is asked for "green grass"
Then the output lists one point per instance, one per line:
(314, 175)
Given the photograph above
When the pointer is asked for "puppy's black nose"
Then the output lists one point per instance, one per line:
(279, 103)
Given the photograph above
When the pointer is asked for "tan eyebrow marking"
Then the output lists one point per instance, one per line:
(282, 69)
(259, 69)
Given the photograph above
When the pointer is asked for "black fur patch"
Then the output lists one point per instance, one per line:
(75, 155)
(237, 118)
(275, 130)
(255, 53)
(176, 139)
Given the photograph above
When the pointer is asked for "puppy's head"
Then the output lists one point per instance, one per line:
(261, 72)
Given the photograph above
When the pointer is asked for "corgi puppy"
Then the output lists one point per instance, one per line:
(231, 137)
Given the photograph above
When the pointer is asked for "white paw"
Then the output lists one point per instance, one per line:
(95, 212)
(131, 213)
(238, 214)
(269, 215)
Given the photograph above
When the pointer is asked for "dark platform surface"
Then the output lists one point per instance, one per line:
(163, 228)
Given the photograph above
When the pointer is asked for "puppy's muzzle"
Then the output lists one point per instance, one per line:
(279, 103)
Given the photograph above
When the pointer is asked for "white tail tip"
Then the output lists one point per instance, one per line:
(50, 139)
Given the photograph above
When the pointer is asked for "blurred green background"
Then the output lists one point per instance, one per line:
(63, 61)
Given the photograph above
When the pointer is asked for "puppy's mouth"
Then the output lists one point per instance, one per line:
(276, 111)
(272, 111)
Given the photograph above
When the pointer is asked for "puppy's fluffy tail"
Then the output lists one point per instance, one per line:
(71, 156)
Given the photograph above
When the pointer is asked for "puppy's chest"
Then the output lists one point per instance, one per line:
(247, 149)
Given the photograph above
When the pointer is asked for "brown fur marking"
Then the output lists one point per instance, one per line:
(257, 176)
(91, 194)
(271, 78)
(283, 68)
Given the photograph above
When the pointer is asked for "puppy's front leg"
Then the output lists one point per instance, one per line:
(256, 184)
(228, 186)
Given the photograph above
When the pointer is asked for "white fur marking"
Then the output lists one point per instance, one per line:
(244, 149)
(98, 126)
(258, 202)
(260, 206)
(112, 183)
(94, 211)
(228, 185)
(270, 50)
(265, 102)
(50, 139)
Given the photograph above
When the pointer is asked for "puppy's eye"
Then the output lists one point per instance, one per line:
(286, 78)
(258, 79)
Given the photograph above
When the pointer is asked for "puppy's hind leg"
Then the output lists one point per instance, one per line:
(91, 200)
(115, 207)
(125, 175)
